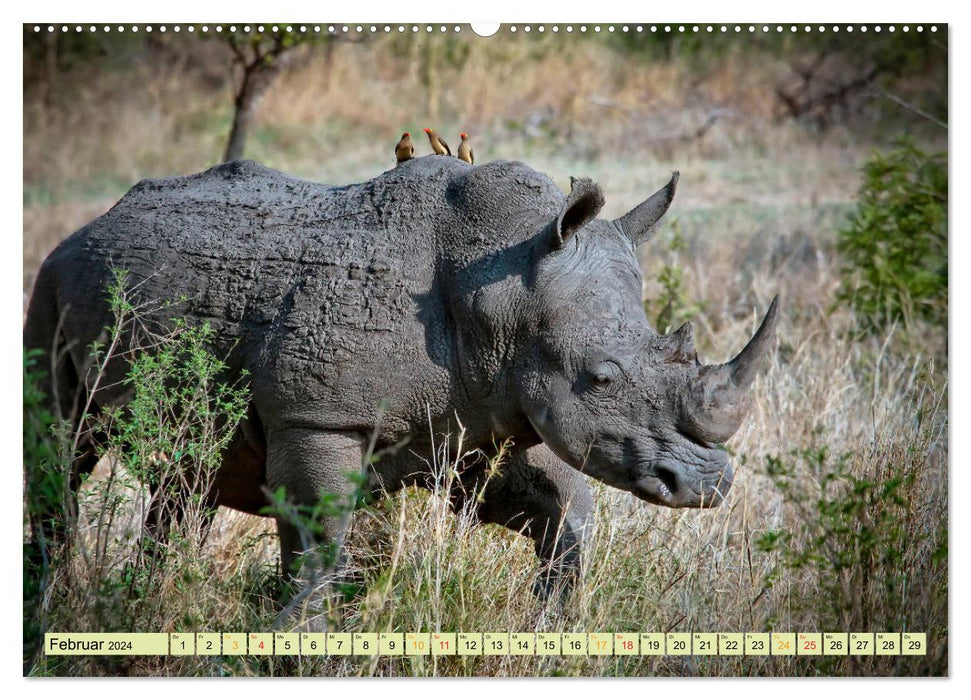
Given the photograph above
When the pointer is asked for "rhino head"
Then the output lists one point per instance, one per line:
(606, 392)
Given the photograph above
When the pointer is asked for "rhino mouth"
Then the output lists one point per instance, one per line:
(667, 486)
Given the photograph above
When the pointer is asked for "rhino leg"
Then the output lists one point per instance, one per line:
(52, 503)
(539, 496)
(314, 468)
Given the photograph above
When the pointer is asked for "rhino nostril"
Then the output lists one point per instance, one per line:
(668, 478)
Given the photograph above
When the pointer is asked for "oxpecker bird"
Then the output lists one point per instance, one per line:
(405, 150)
(465, 149)
(438, 145)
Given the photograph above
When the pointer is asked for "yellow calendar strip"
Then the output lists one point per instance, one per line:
(313, 644)
(783, 644)
(233, 643)
(260, 644)
(600, 644)
(339, 643)
(574, 644)
(106, 644)
(209, 644)
(757, 644)
(678, 643)
(404, 644)
(286, 644)
(182, 644)
(495, 643)
(887, 644)
(418, 643)
(861, 643)
(364, 644)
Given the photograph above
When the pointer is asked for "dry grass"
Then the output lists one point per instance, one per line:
(758, 206)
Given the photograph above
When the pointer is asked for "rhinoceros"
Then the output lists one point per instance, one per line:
(391, 312)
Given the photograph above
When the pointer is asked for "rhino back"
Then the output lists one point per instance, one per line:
(300, 281)
(332, 297)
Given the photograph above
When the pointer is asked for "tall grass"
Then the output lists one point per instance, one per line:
(125, 552)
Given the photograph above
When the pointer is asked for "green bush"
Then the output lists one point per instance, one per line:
(179, 407)
(895, 245)
(44, 491)
(104, 572)
(855, 531)
(673, 307)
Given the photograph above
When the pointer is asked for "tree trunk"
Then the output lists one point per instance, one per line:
(245, 110)
(251, 91)
(257, 78)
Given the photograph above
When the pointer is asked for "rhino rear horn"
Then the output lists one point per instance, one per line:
(679, 346)
(714, 408)
(639, 222)
(584, 202)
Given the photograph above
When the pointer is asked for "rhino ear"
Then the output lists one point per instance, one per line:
(584, 202)
(638, 224)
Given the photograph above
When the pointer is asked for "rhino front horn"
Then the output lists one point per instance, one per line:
(639, 222)
(719, 397)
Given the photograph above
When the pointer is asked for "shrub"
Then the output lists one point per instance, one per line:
(44, 491)
(181, 416)
(858, 533)
(673, 307)
(100, 575)
(895, 244)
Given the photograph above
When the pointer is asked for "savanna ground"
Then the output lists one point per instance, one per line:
(837, 520)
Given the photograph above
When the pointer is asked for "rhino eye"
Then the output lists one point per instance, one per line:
(604, 374)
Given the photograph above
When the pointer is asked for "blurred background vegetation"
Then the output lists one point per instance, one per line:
(813, 164)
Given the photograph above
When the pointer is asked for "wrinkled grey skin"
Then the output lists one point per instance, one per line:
(436, 293)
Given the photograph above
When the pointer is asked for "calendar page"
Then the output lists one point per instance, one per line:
(458, 350)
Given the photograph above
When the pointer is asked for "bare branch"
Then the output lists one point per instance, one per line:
(910, 108)
(236, 49)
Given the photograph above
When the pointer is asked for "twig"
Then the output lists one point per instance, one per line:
(911, 108)
(696, 133)
(237, 50)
